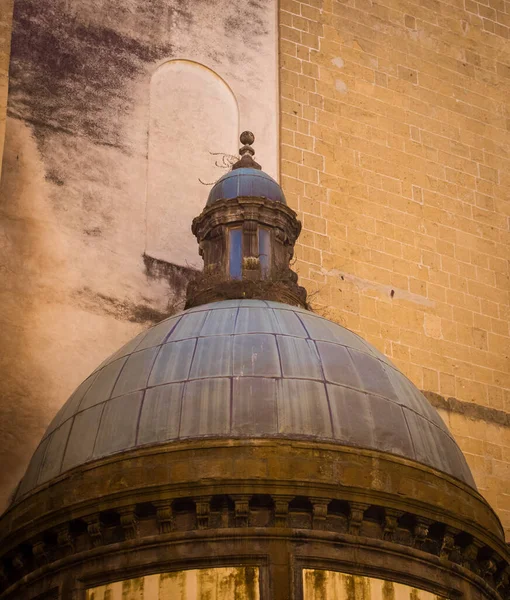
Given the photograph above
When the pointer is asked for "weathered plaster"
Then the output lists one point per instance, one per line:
(77, 278)
(194, 116)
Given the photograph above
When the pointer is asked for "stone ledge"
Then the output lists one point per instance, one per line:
(468, 409)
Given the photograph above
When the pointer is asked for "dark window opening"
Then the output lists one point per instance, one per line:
(264, 251)
(236, 253)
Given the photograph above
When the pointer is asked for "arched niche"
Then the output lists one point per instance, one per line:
(193, 114)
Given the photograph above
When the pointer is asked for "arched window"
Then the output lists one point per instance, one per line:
(193, 113)
(235, 262)
(264, 251)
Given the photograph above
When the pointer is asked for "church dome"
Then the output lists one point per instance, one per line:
(248, 183)
(245, 369)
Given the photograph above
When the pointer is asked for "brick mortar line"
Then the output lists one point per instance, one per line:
(361, 23)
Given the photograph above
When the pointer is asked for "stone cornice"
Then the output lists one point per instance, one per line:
(247, 208)
(315, 489)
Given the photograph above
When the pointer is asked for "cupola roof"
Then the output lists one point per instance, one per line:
(245, 369)
(247, 183)
(246, 179)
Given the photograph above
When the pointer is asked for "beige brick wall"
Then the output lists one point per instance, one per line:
(487, 447)
(395, 119)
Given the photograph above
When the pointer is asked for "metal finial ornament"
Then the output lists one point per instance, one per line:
(247, 137)
(246, 151)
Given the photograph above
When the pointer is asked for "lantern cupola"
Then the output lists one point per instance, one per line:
(246, 235)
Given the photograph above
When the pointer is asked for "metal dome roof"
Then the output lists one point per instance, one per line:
(246, 182)
(245, 369)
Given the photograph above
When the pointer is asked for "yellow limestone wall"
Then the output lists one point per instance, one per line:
(395, 119)
(228, 583)
(330, 585)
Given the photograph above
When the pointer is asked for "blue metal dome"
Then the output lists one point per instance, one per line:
(245, 369)
(246, 182)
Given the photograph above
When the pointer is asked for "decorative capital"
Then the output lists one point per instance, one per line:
(18, 561)
(203, 509)
(448, 543)
(502, 578)
(356, 517)
(4, 577)
(242, 509)
(390, 523)
(320, 512)
(95, 530)
(65, 541)
(281, 510)
(129, 522)
(40, 552)
(421, 530)
(165, 515)
(470, 555)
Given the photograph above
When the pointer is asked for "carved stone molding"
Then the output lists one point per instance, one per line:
(203, 508)
(448, 542)
(356, 516)
(164, 516)
(421, 529)
(94, 529)
(320, 512)
(390, 523)
(281, 510)
(314, 510)
(129, 522)
(65, 539)
(475, 556)
(242, 509)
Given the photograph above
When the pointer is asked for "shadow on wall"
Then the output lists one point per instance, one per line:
(31, 269)
(79, 278)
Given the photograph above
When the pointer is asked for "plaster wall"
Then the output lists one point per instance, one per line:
(395, 120)
(95, 123)
(192, 111)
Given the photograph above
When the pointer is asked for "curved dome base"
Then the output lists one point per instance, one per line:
(250, 499)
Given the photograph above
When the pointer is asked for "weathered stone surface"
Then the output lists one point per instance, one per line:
(90, 248)
(179, 514)
(395, 153)
(349, 394)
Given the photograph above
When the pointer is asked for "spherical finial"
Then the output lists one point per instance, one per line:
(246, 152)
(247, 137)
